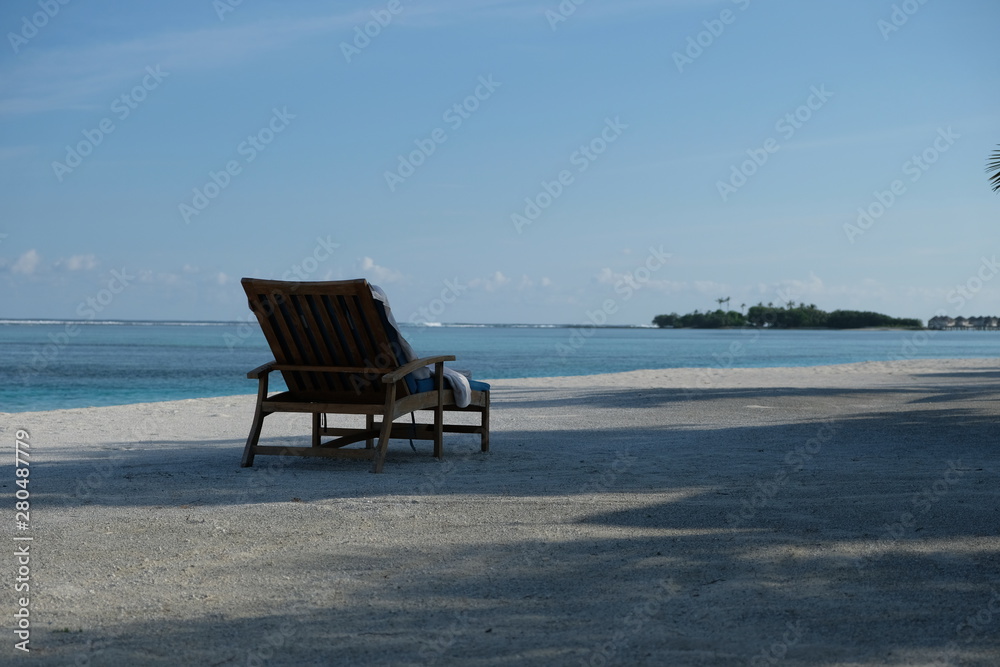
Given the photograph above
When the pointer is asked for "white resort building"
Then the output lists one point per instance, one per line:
(963, 323)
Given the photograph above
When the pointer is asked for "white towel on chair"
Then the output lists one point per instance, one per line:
(459, 383)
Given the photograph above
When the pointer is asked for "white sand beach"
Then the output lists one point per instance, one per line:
(840, 515)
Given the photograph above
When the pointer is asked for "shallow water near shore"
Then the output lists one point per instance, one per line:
(54, 365)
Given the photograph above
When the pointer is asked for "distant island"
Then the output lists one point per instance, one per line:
(792, 316)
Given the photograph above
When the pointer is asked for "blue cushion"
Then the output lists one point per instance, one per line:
(427, 384)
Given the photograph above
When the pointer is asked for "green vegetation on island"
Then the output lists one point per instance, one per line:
(784, 317)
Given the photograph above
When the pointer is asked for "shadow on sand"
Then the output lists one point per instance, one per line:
(740, 542)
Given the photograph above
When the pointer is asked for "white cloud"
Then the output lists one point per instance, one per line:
(490, 284)
(376, 273)
(26, 263)
(78, 263)
(607, 276)
(494, 282)
(222, 279)
(169, 279)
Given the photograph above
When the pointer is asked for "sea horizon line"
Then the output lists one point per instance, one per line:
(146, 322)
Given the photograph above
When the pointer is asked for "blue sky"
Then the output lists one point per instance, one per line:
(499, 160)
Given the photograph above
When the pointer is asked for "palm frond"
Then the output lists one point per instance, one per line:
(993, 169)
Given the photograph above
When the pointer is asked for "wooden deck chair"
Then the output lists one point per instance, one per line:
(338, 354)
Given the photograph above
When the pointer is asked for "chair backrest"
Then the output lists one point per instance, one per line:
(326, 324)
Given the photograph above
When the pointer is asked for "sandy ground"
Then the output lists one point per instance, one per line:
(842, 515)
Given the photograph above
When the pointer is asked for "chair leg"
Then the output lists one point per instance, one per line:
(439, 411)
(248, 451)
(383, 437)
(369, 425)
(258, 423)
(315, 429)
(439, 432)
(383, 444)
(484, 444)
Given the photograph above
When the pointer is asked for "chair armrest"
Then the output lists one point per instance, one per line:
(261, 370)
(406, 369)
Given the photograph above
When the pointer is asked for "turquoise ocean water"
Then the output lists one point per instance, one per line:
(52, 365)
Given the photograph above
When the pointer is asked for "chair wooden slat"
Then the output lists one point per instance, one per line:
(314, 349)
(326, 351)
(366, 344)
(299, 344)
(322, 312)
(331, 310)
